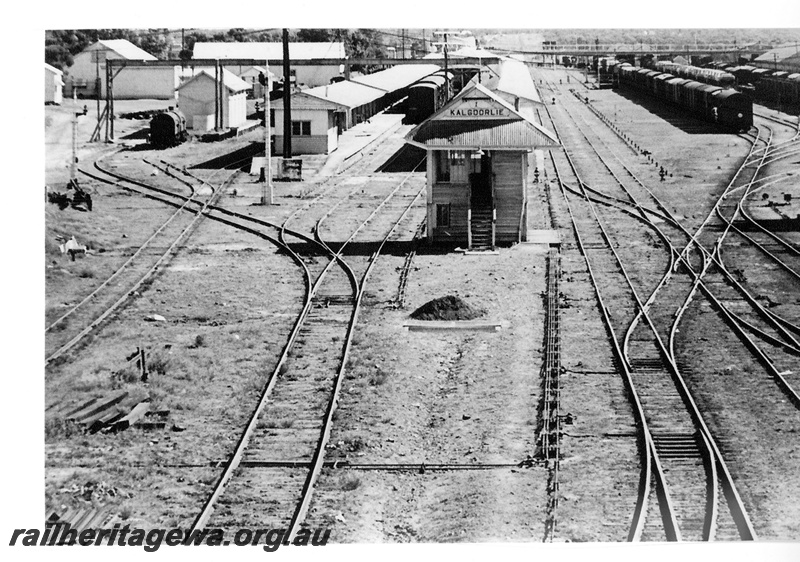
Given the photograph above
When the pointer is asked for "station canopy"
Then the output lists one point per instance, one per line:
(478, 118)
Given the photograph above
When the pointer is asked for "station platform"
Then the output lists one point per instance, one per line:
(356, 140)
(535, 230)
(353, 144)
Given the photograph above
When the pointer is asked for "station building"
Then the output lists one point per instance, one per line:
(478, 148)
(316, 124)
(321, 114)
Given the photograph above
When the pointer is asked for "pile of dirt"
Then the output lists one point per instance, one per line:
(447, 308)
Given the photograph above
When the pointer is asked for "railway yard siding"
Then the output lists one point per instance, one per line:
(279, 359)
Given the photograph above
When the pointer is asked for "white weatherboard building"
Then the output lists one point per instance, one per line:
(130, 83)
(312, 75)
(196, 99)
(53, 84)
(315, 124)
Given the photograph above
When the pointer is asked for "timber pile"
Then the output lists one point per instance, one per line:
(110, 413)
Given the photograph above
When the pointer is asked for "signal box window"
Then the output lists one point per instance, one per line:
(301, 128)
(442, 166)
(443, 215)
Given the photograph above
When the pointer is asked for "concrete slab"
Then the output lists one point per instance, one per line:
(542, 237)
(356, 140)
(440, 325)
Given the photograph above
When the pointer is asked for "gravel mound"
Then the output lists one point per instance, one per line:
(447, 308)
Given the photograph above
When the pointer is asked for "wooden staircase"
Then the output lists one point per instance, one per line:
(481, 229)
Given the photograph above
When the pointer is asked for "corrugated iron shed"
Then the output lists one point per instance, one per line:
(397, 77)
(269, 51)
(347, 93)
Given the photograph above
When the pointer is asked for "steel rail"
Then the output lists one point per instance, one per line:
(775, 321)
(147, 275)
(319, 454)
(740, 515)
(683, 390)
(335, 257)
(120, 269)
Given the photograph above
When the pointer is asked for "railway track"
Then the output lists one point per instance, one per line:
(743, 311)
(292, 423)
(679, 458)
(73, 327)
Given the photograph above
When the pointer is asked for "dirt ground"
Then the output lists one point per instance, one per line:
(409, 397)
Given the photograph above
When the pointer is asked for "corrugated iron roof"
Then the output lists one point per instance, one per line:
(779, 53)
(123, 48)
(269, 51)
(347, 93)
(52, 69)
(231, 81)
(508, 133)
(515, 79)
(518, 131)
(397, 77)
(301, 100)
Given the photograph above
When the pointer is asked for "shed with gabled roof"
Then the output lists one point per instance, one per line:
(129, 83)
(196, 99)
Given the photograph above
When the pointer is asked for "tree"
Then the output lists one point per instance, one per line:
(315, 35)
(155, 41)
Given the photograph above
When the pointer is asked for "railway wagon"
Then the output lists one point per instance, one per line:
(725, 107)
(426, 96)
(168, 129)
(711, 76)
(743, 74)
(781, 87)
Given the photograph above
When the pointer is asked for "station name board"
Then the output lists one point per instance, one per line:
(478, 109)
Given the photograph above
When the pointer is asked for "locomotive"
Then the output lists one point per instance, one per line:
(725, 107)
(168, 129)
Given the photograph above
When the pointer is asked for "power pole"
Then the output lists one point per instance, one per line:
(287, 110)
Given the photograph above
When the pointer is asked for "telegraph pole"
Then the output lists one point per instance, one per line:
(287, 110)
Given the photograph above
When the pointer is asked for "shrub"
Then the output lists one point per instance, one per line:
(350, 482)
